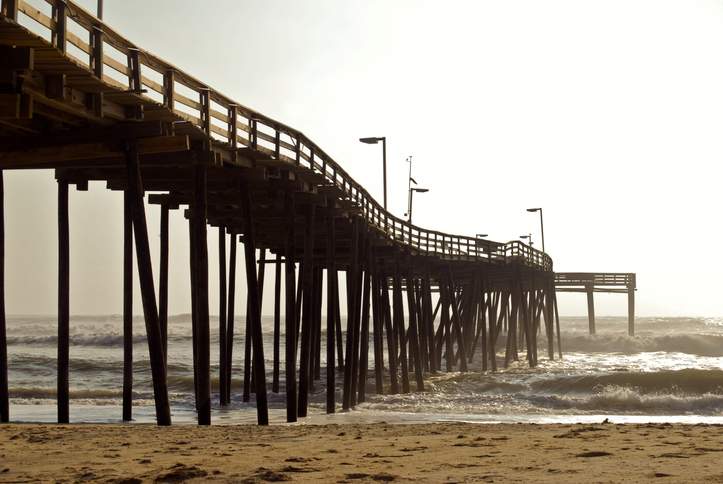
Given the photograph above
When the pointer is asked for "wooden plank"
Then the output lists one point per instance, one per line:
(55, 154)
(36, 15)
(116, 66)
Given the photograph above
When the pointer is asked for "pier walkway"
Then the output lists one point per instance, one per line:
(78, 98)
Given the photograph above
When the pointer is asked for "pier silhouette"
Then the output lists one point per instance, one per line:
(93, 106)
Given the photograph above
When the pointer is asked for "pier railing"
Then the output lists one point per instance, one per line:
(162, 89)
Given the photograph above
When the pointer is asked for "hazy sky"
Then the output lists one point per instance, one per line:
(607, 114)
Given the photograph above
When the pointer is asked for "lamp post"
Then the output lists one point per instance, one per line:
(542, 227)
(529, 236)
(411, 192)
(409, 188)
(373, 141)
(489, 244)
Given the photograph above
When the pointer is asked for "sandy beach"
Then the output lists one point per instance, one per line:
(454, 452)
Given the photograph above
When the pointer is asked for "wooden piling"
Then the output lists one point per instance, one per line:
(348, 398)
(222, 308)
(231, 314)
(194, 313)
(306, 320)
(277, 327)
(557, 324)
(413, 326)
(254, 308)
(364, 331)
(331, 297)
(456, 322)
(163, 279)
(549, 321)
(290, 324)
(145, 273)
(389, 329)
(203, 332)
(429, 321)
(127, 308)
(63, 304)
(316, 326)
(357, 289)
(631, 306)
(377, 328)
(4, 390)
(398, 321)
(590, 307)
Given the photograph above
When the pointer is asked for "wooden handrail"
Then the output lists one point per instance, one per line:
(212, 112)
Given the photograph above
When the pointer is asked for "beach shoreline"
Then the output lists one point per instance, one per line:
(377, 452)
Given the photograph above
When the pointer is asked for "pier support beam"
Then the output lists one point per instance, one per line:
(163, 278)
(254, 309)
(306, 319)
(590, 308)
(230, 326)
(631, 307)
(290, 323)
(148, 293)
(222, 308)
(203, 332)
(63, 304)
(4, 397)
(127, 308)
(275, 381)
(331, 295)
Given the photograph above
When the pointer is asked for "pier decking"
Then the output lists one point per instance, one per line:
(80, 99)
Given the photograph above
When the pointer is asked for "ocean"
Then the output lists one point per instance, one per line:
(670, 371)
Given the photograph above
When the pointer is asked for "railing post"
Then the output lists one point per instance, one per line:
(169, 80)
(298, 151)
(277, 145)
(10, 9)
(232, 125)
(205, 99)
(60, 15)
(96, 61)
(254, 134)
(134, 65)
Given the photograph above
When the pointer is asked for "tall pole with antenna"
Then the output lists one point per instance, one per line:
(409, 188)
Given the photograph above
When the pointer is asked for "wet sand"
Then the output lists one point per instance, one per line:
(438, 453)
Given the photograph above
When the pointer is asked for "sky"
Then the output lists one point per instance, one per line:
(607, 114)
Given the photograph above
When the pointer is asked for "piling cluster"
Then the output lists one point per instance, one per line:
(418, 300)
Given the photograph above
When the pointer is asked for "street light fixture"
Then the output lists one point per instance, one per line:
(527, 237)
(373, 141)
(542, 228)
(411, 192)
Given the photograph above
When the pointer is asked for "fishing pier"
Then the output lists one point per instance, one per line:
(78, 98)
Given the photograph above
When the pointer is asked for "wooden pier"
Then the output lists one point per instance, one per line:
(592, 282)
(97, 107)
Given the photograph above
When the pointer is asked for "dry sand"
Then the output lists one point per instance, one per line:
(454, 452)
